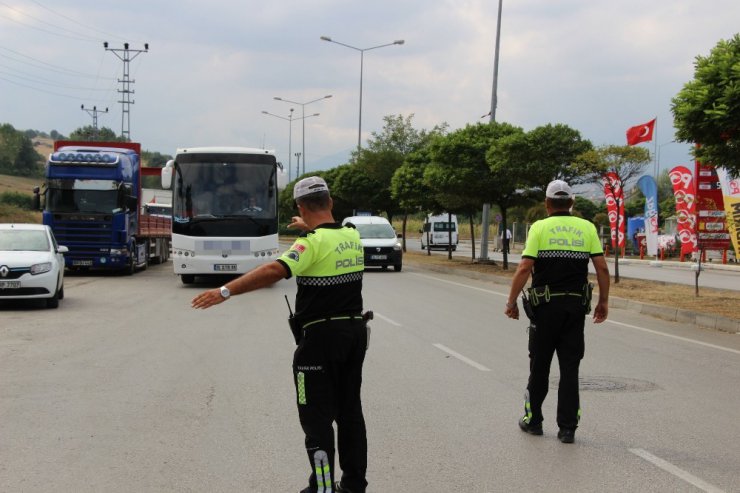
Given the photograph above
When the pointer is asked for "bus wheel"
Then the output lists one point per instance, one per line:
(187, 278)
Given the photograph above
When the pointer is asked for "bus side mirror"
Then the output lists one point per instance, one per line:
(167, 174)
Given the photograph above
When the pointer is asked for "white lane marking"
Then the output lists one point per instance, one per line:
(462, 358)
(459, 284)
(679, 338)
(684, 339)
(392, 322)
(676, 471)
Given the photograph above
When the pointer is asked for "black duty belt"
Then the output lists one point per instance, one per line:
(544, 295)
(368, 315)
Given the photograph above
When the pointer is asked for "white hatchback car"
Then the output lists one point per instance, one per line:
(31, 264)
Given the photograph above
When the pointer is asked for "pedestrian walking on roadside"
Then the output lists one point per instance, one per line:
(556, 254)
(332, 335)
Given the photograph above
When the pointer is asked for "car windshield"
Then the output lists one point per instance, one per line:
(19, 240)
(375, 231)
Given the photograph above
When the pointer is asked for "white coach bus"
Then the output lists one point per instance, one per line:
(224, 209)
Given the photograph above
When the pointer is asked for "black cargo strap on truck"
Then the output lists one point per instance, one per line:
(543, 294)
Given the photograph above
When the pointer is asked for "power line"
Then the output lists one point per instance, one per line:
(77, 36)
(75, 21)
(45, 91)
(49, 66)
(41, 80)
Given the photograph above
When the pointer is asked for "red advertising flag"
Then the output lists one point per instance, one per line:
(640, 133)
(683, 191)
(613, 194)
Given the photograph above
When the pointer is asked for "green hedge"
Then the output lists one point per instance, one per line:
(20, 200)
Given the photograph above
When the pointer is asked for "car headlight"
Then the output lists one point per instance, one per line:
(397, 246)
(116, 251)
(40, 268)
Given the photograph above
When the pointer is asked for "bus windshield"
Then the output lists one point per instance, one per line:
(225, 195)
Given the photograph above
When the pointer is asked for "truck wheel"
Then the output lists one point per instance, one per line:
(187, 278)
(131, 268)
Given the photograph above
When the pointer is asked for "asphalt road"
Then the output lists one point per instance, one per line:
(711, 276)
(126, 388)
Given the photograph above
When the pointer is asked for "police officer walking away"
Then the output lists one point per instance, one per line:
(327, 262)
(557, 253)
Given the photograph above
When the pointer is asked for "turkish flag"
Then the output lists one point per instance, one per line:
(640, 133)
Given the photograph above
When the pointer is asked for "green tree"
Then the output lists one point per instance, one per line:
(385, 152)
(155, 159)
(459, 174)
(626, 162)
(543, 154)
(17, 155)
(88, 133)
(707, 110)
(586, 208)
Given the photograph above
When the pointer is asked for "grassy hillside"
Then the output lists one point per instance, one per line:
(18, 184)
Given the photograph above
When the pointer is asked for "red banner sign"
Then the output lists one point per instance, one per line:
(711, 231)
(683, 191)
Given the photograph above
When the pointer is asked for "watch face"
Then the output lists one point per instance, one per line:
(225, 292)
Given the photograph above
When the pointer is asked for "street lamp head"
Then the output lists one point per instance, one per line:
(264, 112)
(325, 38)
(327, 96)
(277, 98)
(399, 42)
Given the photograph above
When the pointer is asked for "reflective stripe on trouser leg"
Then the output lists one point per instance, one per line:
(301, 387)
(527, 408)
(323, 472)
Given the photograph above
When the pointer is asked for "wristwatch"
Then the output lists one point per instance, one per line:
(225, 292)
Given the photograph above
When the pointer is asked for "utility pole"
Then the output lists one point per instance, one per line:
(125, 55)
(485, 219)
(94, 114)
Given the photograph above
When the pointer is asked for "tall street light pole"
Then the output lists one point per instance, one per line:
(362, 57)
(485, 219)
(290, 140)
(290, 136)
(303, 117)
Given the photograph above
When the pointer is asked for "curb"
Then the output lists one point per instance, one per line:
(671, 314)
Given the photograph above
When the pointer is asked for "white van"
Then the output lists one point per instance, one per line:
(436, 232)
(379, 240)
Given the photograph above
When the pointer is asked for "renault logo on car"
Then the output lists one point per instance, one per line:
(4, 271)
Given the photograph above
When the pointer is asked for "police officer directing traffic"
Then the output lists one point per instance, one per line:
(556, 254)
(327, 262)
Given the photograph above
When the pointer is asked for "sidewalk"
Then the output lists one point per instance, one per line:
(669, 313)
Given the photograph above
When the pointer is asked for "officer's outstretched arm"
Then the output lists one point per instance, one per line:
(257, 278)
(602, 278)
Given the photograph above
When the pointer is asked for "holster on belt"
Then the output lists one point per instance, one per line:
(528, 310)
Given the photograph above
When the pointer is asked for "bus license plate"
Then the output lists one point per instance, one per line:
(378, 257)
(10, 284)
(224, 267)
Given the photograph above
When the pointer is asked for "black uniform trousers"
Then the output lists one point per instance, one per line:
(327, 370)
(559, 329)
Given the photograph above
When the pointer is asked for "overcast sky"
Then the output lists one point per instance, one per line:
(213, 67)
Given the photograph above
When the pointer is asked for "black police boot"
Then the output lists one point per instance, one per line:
(566, 435)
(340, 489)
(527, 427)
